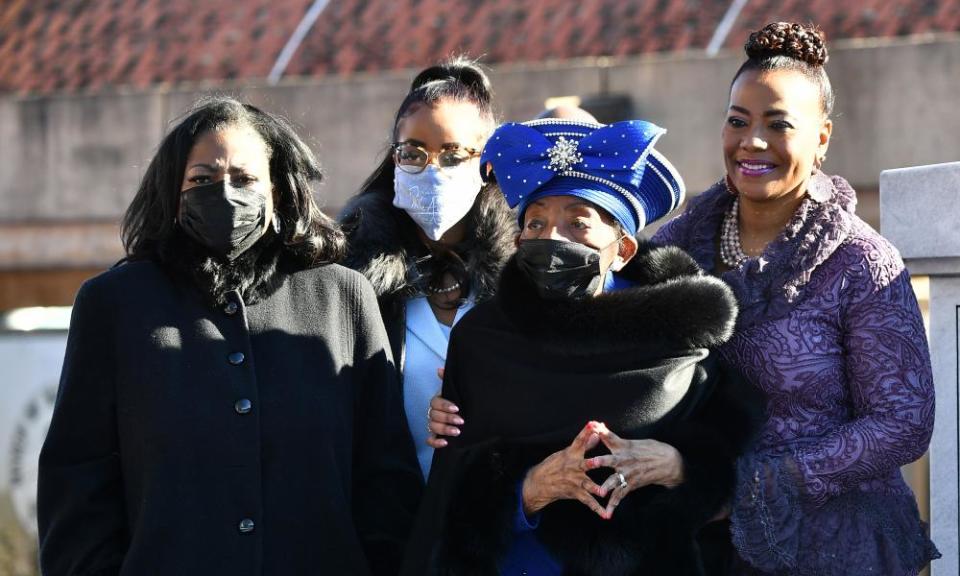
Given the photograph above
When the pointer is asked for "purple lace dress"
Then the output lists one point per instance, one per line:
(830, 330)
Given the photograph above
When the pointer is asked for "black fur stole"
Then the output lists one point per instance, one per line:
(672, 303)
(256, 274)
(384, 245)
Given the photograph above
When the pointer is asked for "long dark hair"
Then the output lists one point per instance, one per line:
(458, 80)
(309, 236)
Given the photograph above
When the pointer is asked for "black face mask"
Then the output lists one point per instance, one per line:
(224, 219)
(560, 269)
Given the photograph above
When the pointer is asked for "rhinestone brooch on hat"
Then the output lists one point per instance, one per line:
(563, 155)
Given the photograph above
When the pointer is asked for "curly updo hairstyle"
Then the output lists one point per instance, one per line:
(790, 46)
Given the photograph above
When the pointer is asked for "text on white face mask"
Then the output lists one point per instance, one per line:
(437, 199)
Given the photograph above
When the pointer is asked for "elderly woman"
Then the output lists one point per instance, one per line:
(829, 329)
(587, 325)
(209, 414)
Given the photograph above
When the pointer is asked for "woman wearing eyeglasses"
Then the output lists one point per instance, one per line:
(426, 231)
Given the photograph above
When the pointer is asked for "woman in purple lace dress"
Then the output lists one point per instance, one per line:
(829, 329)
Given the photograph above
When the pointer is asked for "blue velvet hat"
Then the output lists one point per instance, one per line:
(614, 166)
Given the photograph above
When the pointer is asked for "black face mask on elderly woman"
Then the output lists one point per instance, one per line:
(560, 269)
(227, 220)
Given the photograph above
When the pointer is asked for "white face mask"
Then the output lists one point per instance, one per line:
(437, 199)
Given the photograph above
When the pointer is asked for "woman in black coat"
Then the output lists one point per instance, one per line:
(208, 415)
(587, 325)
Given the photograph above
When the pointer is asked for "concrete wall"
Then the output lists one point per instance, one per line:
(78, 159)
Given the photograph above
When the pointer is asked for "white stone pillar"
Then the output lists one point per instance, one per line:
(920, 214)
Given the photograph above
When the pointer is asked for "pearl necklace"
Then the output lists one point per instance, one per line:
(444, 290)
(731, 250)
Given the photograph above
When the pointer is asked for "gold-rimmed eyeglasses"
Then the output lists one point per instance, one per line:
(413, 159)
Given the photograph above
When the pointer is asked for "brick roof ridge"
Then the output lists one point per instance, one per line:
(48, 46)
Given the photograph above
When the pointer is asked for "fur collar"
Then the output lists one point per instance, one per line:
(768, 288)
(384, 245)
(256, 273)
(673, 303)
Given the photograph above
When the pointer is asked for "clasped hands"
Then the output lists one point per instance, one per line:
(563, 474)
(634, 464)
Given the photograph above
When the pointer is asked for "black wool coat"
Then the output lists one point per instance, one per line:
(249, 440)
(528, 374)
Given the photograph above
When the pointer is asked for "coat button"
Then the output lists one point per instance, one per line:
(243, 406)
(236, 358)
(246, 526)
(231, 308)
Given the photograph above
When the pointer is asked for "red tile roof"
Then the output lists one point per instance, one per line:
(55, 46)
(69, 45)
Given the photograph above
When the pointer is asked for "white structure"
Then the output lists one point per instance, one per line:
(920, 214)
(31, 363)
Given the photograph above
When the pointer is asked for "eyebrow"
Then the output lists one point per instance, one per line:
(214, 168)
(771, 112)
(444, 146)
(201, 165)
(580, 204)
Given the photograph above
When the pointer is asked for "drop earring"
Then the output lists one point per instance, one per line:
(731, 189)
